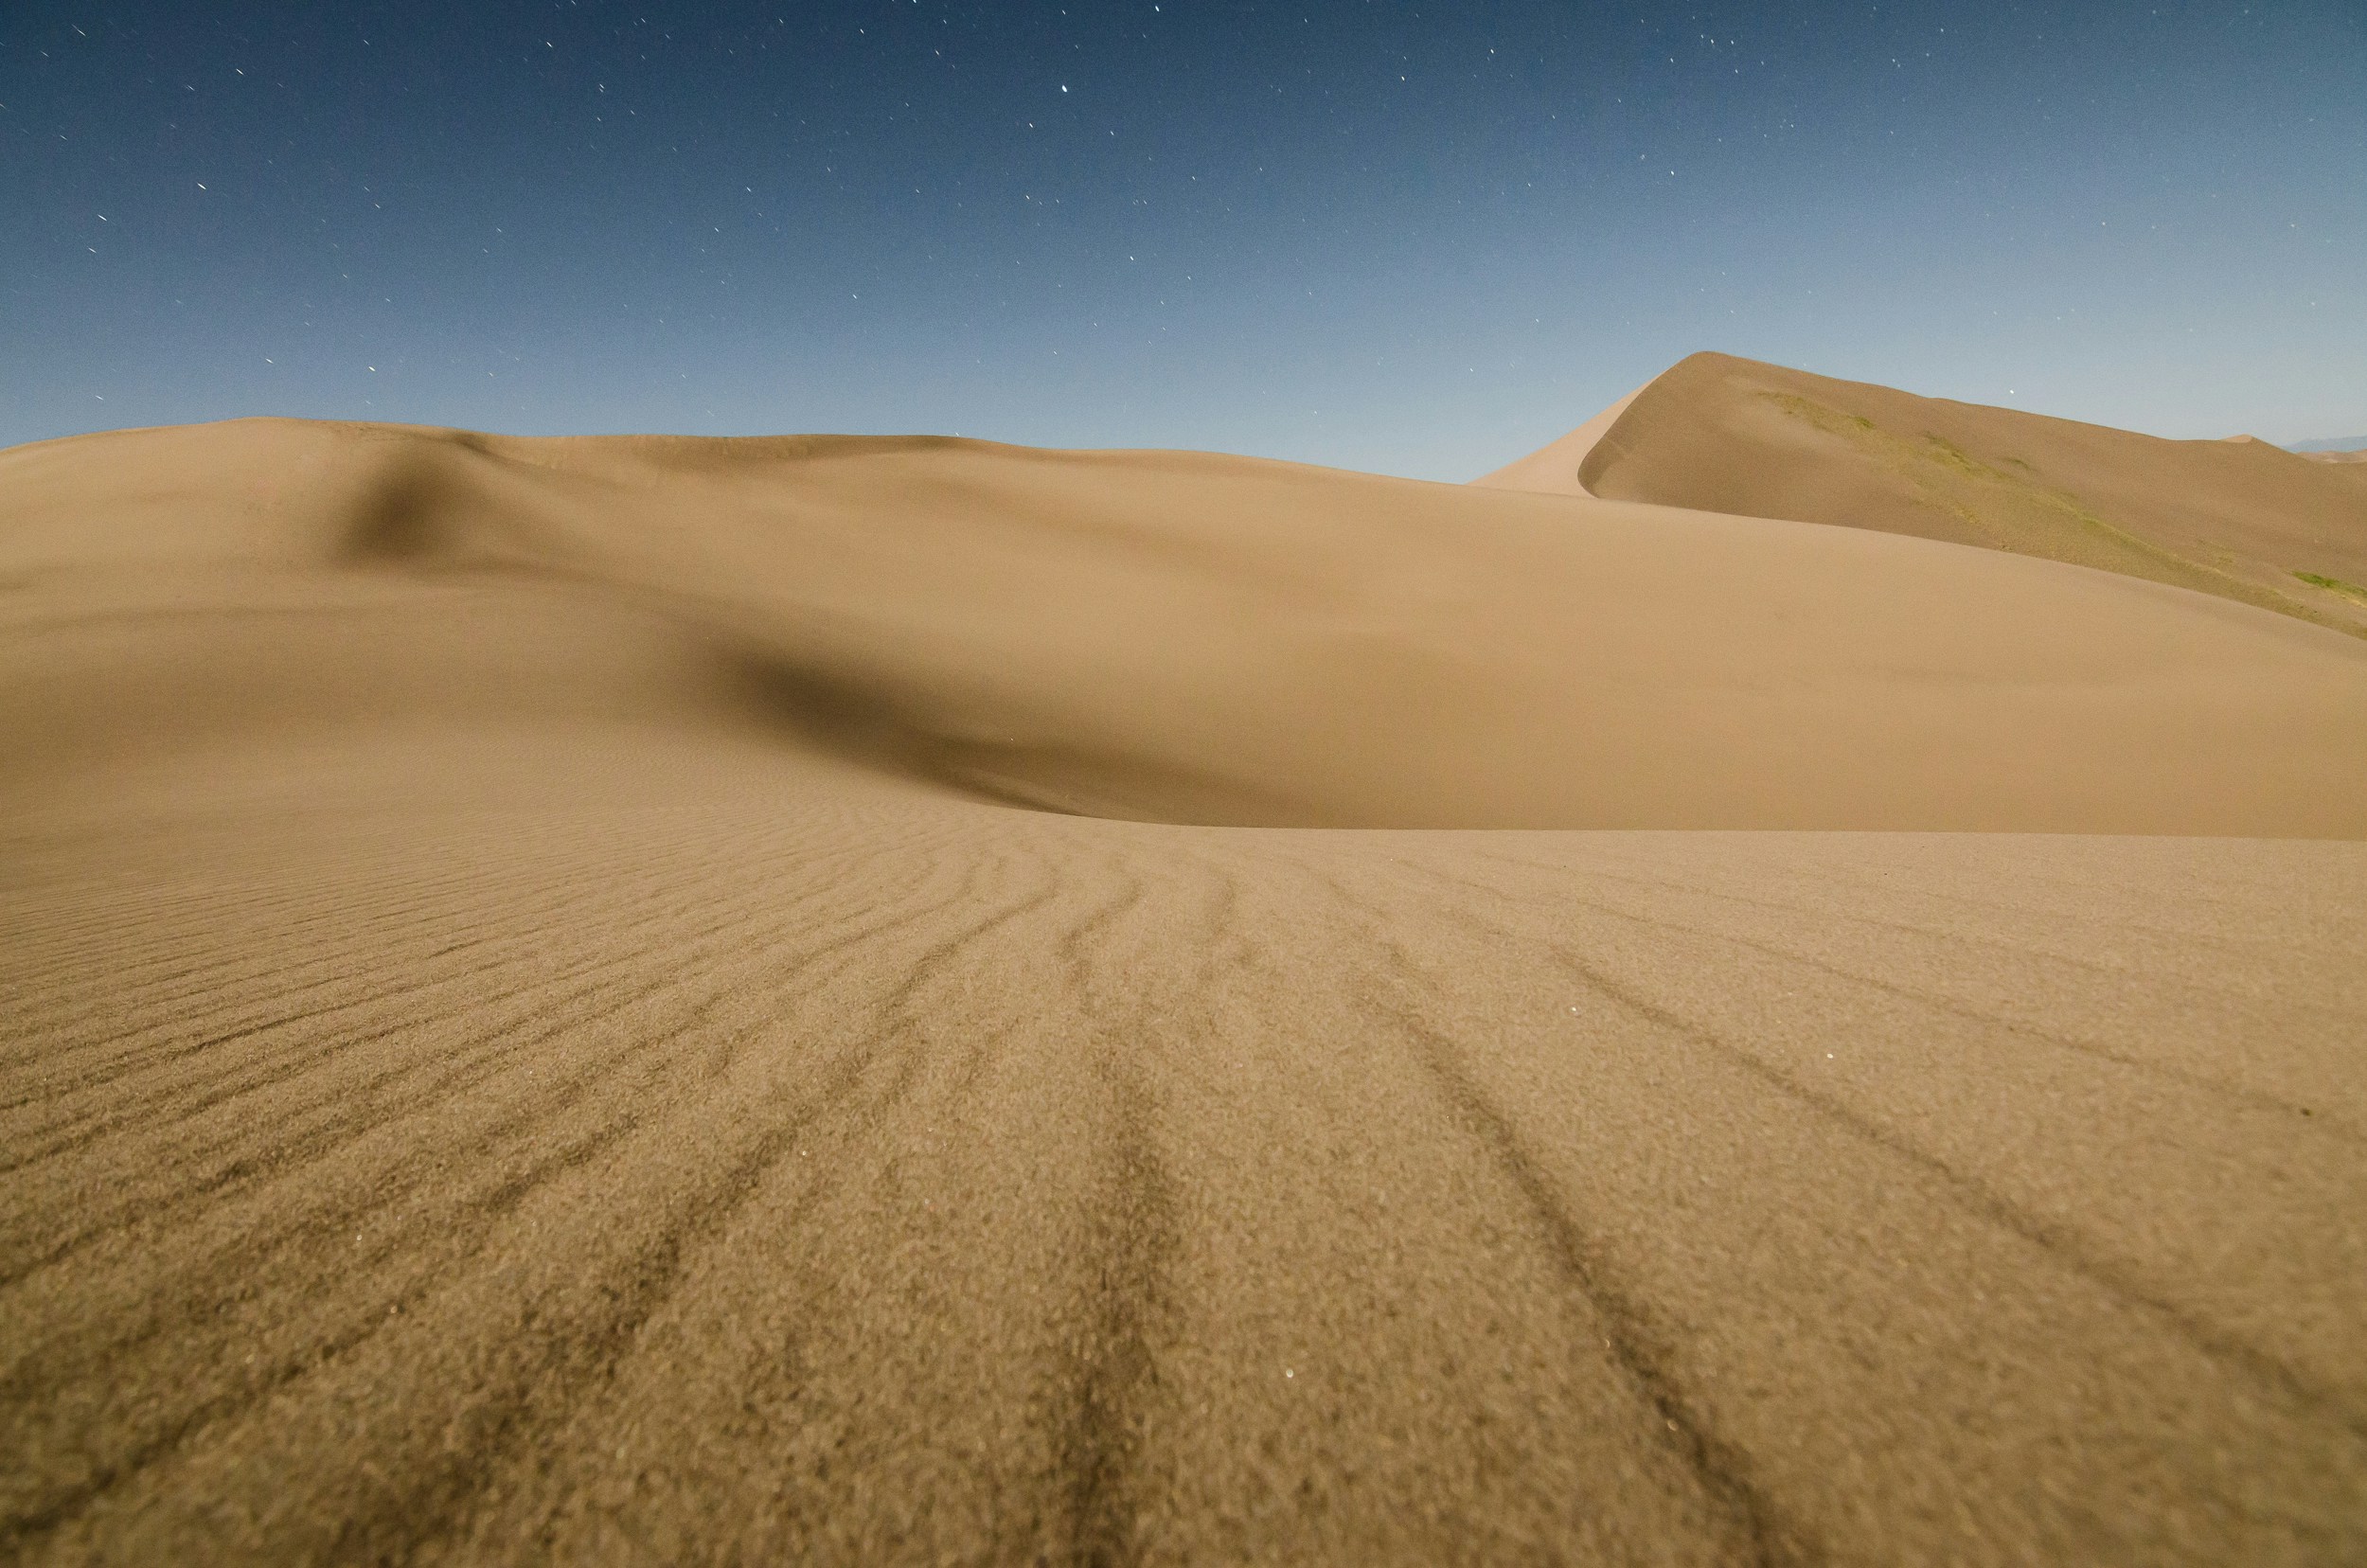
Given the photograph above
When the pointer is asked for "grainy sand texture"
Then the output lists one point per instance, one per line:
(830, 1000)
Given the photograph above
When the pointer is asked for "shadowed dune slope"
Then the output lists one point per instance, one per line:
(2238, 518)
(1149, 635)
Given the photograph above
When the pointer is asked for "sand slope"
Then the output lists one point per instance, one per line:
(539, 1030)
(2236, 518)
(1160, 636)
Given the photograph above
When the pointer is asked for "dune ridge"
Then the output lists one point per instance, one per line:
(1553, 469)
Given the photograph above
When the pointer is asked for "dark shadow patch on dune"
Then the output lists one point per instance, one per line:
(860, 718)
(398, 521)
(853, 719)
(841, 713)
(1072, 780)
(439, 503)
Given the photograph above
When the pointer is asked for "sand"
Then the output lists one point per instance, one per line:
(1157, 636)
(853, 1001)
(2234, 518)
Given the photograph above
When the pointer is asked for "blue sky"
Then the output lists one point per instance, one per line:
(1412, 238)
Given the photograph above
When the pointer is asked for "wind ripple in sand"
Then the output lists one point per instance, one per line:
(776, 1173)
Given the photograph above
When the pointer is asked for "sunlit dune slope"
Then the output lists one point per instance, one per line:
(2239, 519)
(1154, 636)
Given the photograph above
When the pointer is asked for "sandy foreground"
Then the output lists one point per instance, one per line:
(840, 1001)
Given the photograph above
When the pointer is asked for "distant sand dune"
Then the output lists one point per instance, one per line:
(581, 1001)
(2236, 518)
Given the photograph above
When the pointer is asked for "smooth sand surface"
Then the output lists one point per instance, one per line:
(2236, 518)
(547, 1020)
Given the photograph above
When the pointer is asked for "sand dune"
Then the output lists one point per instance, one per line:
(2236, 518)
(1159, 636)
(592, 999)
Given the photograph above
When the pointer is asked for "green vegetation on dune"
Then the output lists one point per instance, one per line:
(2008, 511)
(2336, 585)
(1949, 454)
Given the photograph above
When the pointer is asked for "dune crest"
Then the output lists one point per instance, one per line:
(1553, 469)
